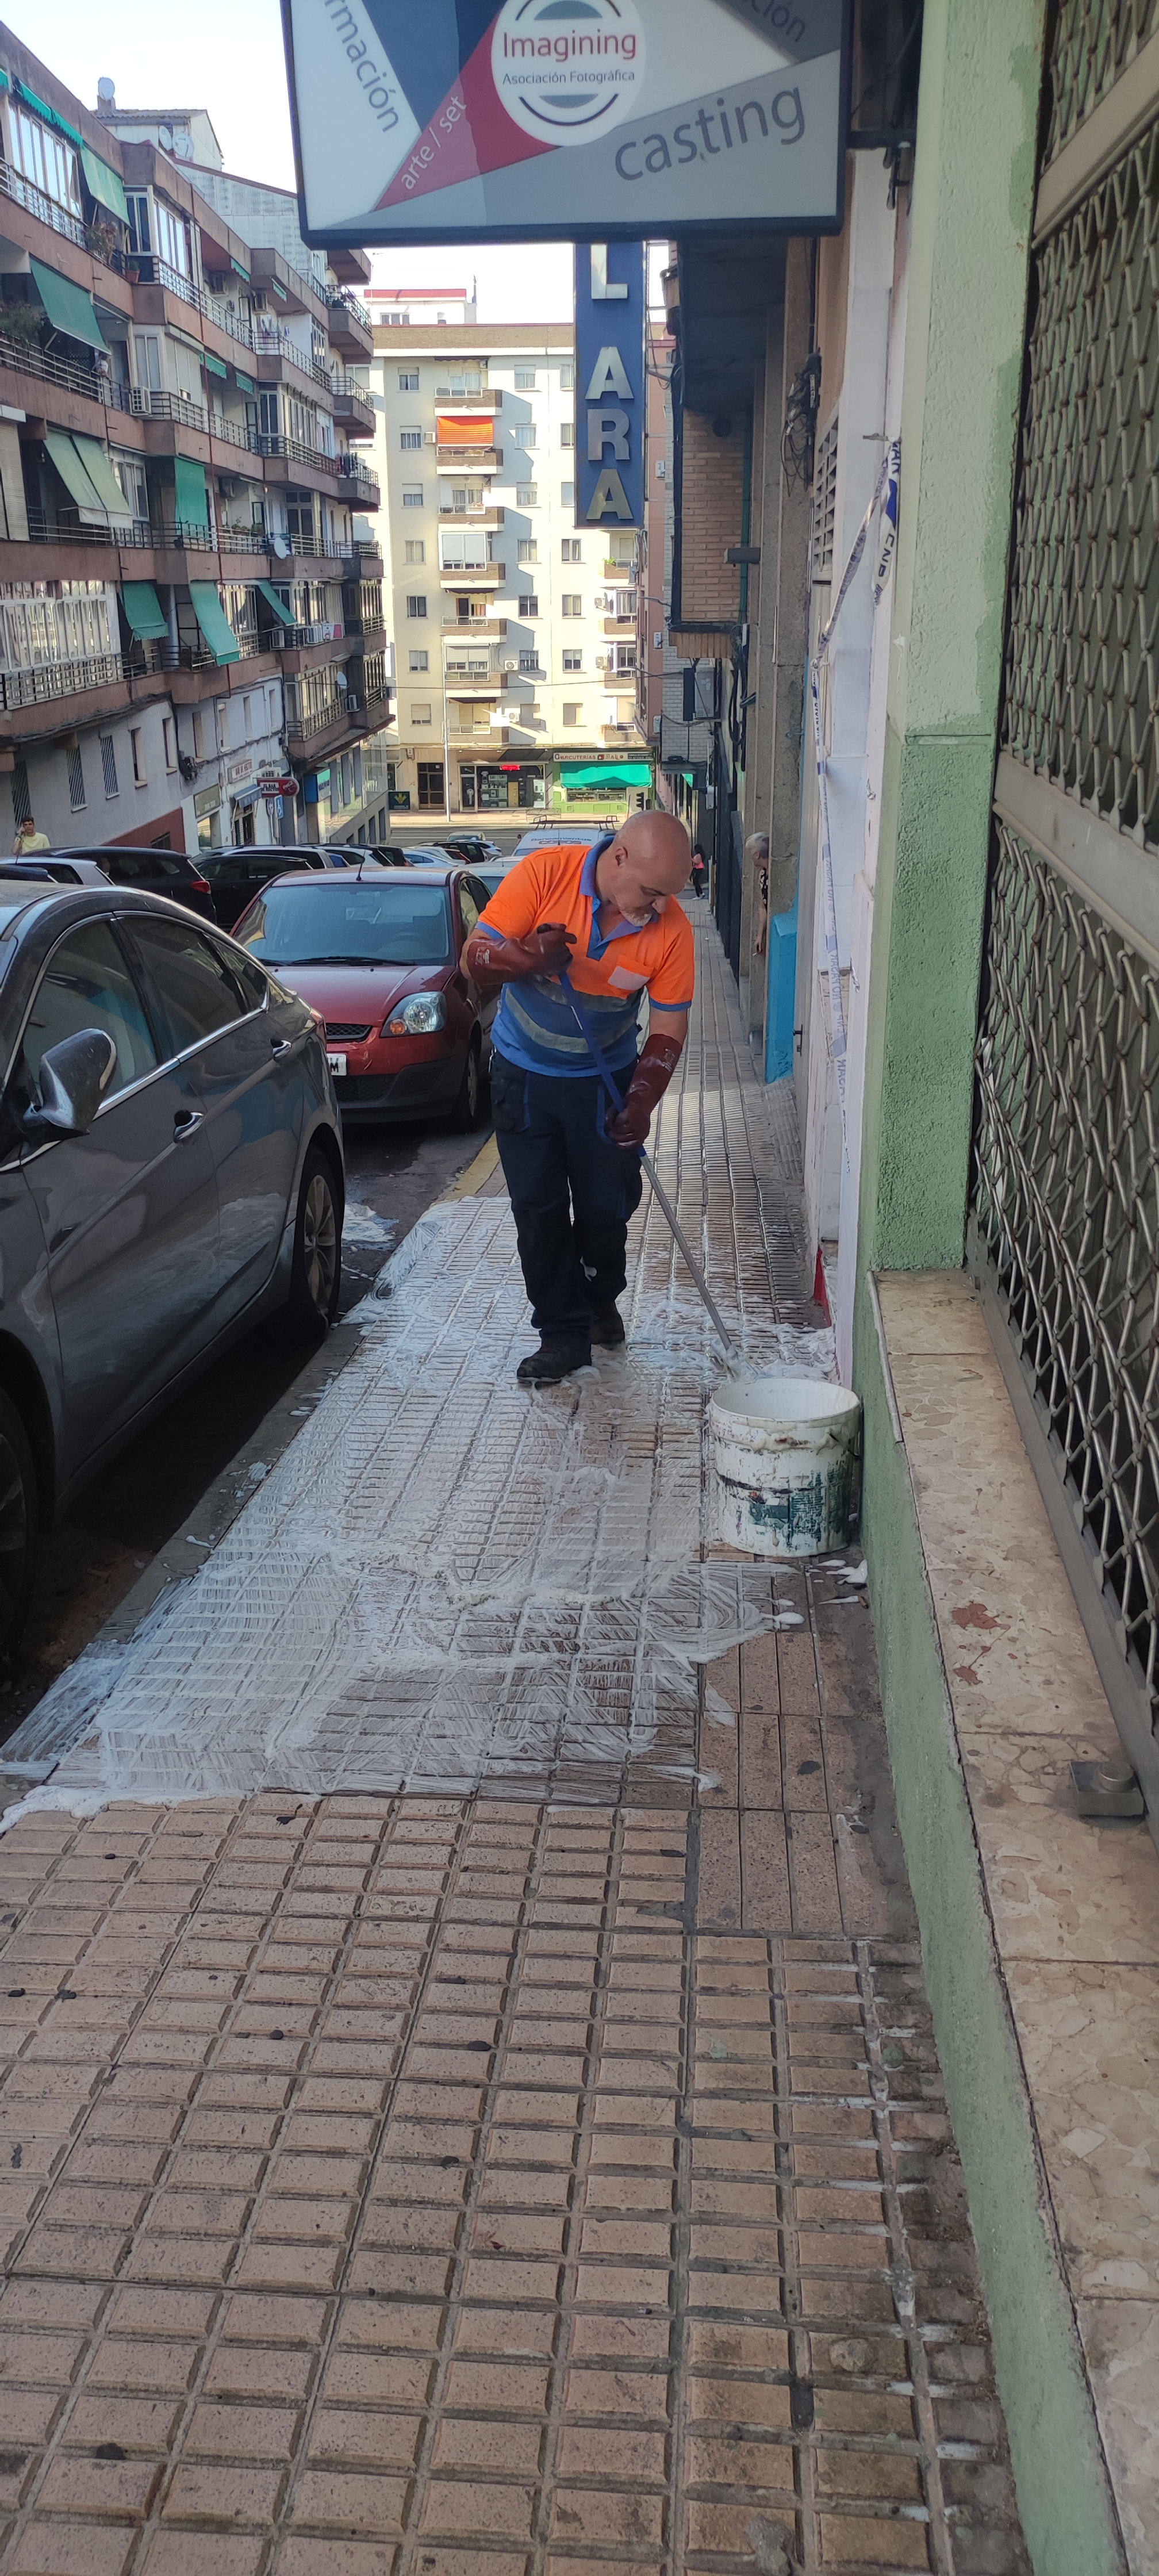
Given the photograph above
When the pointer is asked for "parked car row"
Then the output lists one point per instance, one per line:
(171, 1172)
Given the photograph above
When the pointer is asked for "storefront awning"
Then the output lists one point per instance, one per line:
(192, 498)
(284, 615)
(70, 466)
(143, 610)
(104, 183)
(69, 308)
(609, 773)
(101, 476)
(214, 623)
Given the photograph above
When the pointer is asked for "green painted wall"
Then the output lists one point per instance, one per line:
(972, 200)
(1067, 2512)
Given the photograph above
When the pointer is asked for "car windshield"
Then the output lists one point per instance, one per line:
(389, 923)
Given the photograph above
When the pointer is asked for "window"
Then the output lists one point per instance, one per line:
(198, 735)
(567, 433)
(527, 550)
(571, 604)
(247, 717)
(170, 237)
(567, 495)
(408, 380)
(529, 604)
(410, 437)
(76, 779)
(529, 661)
(109, 764)
(567, 377)
(412, 496)
(147, 351)
(45, 158)
(572, 713)
(430, 782)
(570, 550)
(525, 434)
(573, 661)
(198, 992)
(416, 603)
(419, 660)
(167, 739)
(415, 550)
(140, 238)
(137, 747)
(86, 985)
(525, 380)
(526, 496)
(420, 712)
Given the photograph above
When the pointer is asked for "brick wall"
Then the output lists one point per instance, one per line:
(712, 502)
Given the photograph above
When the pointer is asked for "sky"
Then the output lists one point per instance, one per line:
(228, 58)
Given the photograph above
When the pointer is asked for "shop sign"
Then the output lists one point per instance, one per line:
(566, 120)
(611, 384)
(207, 800)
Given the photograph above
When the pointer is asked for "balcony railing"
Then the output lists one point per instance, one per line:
(295, 451)
(24, 193)
(64, 373)
(60, 680)
(303, 728)
(147, 402)
(46, 530)
(340, 297)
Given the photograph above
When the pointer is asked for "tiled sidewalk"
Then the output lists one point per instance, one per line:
(416, 2184)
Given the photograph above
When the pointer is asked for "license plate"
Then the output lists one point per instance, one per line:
(337, 1063)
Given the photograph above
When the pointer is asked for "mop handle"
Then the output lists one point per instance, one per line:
(610, 1084)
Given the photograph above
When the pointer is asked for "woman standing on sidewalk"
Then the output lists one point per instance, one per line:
(699, 869)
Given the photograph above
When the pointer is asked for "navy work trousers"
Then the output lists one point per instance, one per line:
(572, 1190)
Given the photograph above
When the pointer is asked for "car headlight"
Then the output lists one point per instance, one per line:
(417, 1016)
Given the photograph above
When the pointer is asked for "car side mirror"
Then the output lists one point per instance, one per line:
(74, 1077)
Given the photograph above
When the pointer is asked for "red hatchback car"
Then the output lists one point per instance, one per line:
(378, 951)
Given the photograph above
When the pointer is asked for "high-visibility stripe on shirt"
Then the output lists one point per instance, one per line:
(535, 1026)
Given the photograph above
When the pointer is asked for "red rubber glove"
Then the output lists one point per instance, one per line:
(654, 1070)
(493, 960)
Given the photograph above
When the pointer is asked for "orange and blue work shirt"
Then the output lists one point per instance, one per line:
(535, 1026)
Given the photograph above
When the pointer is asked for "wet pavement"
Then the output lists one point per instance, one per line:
(469, 2100)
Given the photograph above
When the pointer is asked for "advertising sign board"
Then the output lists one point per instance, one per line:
(610, 384)
(565, 120)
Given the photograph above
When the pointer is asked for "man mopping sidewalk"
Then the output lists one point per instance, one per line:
(606, 917)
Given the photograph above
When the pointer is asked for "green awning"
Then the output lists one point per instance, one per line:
(242, 272)
(213, 366)
(101, 476)
(48, 113)
(214, 623)
(284, 615)
(70, 466)
(245, 384)
(192, 501)
(105, 184)
(5, 80)
(69, 308)
(143, 609)
(609, 773)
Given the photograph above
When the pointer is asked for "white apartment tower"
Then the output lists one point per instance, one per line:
(515, 634)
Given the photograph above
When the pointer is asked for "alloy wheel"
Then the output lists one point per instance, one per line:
(319, 1243)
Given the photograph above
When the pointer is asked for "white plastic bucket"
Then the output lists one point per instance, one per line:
(787, 1457)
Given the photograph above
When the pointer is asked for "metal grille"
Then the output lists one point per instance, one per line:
(824, 505)
(1094, 40)
(1082, 678)
(1066, 1198)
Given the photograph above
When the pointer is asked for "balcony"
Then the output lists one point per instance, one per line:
(144, 402)
(354, 411)
(470, 460)
(488, 515)
(52, 680)
(351, 329)
(613, 571)
(489, 576)
(488, 629)
(104, 240)
(361, 487)
(27, 358)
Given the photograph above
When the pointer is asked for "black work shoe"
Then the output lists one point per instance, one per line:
(552, 1361)
(607, 1326)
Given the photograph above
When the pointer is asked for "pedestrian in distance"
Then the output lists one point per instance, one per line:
(29, 839)
(607, 917)
(699, 869)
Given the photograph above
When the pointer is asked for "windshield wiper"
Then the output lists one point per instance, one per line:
(328, 961)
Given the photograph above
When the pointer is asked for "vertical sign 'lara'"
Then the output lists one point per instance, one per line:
(610, 384)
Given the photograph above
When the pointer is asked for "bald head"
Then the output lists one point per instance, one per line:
(648, 862)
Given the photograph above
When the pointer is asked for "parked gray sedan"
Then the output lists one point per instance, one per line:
(170, 1172)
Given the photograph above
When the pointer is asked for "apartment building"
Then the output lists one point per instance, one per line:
(515, 634)
(192, 647)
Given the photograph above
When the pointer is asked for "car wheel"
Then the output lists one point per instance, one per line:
(316, 1274)
(465, 1114)
(19, 1519)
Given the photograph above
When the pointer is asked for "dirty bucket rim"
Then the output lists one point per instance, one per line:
(791, 1401)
